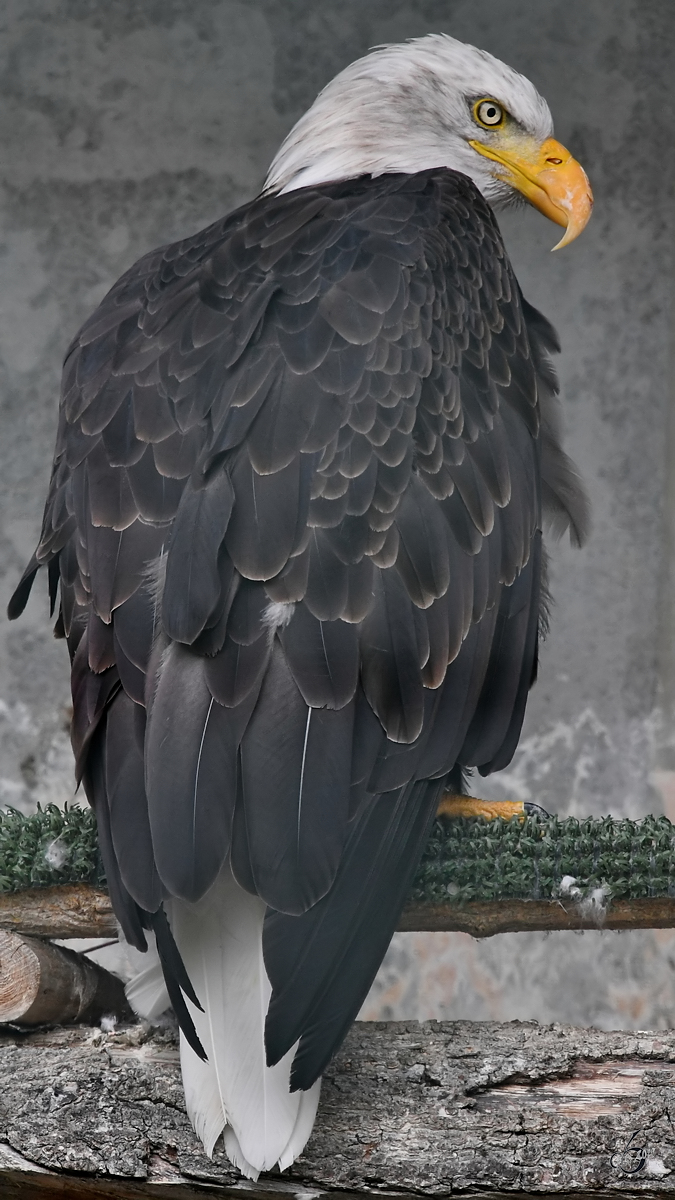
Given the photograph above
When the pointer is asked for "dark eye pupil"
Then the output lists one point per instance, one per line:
(489, 113)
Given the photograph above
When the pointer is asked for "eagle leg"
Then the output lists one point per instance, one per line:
(470, 806)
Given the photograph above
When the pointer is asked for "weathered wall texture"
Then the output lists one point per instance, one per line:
(129, 124)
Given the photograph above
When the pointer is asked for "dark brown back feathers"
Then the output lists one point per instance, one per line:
(296, 509)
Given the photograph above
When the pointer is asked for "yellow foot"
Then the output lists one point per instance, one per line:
(470, 806)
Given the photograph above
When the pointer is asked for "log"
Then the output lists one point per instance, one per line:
(78, 910)
(45, 984)
(483, 918)
(73, 911)
(406, 1109)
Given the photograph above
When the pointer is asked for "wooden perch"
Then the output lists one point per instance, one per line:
(78, 910)
(406, 1109)
(45, 984)
(74, 911)
(483, 918)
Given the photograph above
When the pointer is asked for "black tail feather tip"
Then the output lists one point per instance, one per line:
(177, 980)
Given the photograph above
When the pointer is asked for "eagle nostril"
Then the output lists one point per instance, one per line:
(556, 161)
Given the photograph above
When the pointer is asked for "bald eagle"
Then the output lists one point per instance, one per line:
(294, 527)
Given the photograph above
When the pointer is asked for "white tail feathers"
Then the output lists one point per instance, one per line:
(202, 1097)
(235, 1092)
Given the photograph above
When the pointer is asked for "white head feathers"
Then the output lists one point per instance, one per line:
(407, 107)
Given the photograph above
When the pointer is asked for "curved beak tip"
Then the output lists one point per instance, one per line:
(573, 198)
(568, 195)
(579, 217)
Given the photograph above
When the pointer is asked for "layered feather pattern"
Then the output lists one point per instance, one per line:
(302, 465)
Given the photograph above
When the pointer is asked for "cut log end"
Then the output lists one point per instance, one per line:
(41, 983)
(19, 977)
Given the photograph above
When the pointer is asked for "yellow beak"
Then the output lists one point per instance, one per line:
(550, 179)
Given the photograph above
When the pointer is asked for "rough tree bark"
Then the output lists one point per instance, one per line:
(406, 1109)
(73, 911)
(483, 918)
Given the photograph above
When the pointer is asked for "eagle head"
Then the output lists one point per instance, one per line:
(436, 102)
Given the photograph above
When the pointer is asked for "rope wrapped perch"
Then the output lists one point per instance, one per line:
(478, 876)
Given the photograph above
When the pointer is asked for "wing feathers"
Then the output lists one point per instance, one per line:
(192, 586)
(128, 806)
(323, 657)
(292, 758)
(191, 776)
(390, 660)
(267, 511)
(322, 964)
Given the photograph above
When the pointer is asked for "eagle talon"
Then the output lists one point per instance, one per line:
(535, 810)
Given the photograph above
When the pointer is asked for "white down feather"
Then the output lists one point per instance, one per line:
(146, 990)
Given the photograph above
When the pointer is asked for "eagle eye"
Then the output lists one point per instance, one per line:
(488, 113)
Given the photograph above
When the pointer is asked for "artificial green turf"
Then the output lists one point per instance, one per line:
(475, 859)
(30, 845)
(466, 859)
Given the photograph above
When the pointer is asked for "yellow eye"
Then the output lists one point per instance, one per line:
(488, 113)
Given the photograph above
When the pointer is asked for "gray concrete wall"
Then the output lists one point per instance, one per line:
(134, 122)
